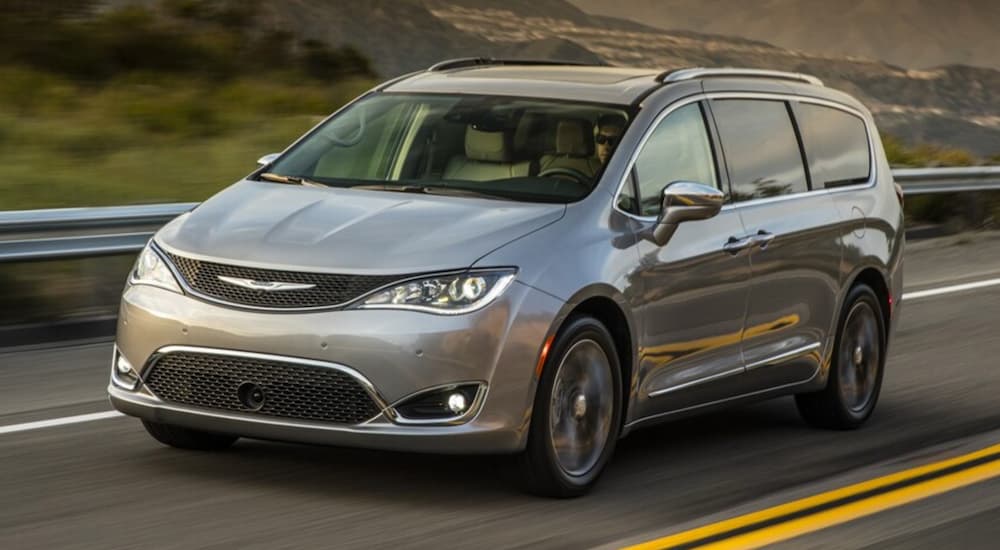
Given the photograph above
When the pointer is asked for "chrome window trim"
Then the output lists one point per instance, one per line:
(872, 175)
(358, 377)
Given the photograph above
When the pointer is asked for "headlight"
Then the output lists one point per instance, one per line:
(445, 294)
(150, 269)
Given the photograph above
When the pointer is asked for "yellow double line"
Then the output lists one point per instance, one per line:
(810, 514)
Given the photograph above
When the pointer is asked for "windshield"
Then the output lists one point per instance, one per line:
(503, 147)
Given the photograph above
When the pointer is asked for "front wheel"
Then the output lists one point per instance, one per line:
(855, 379)
(577, 413)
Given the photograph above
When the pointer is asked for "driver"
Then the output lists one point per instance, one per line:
(607, 135)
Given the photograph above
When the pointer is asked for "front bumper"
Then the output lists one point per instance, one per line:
(400, 353)
(474, 437)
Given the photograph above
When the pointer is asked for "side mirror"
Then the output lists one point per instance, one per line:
(267, 159)
(685, 201)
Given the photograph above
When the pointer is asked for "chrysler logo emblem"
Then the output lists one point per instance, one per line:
(266, 286)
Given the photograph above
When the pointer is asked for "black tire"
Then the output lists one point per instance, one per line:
(186, 438)
(837, 406)
(538, 470)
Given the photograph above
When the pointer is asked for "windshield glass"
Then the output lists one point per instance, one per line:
(504, 147)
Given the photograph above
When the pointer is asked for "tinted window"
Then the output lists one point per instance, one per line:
(761, 148)
(836, 145)
(678, 149)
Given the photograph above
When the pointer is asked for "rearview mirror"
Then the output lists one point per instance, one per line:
(684, 201)
(267, 159)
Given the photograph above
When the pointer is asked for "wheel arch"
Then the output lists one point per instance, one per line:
(606, 304)
(877, 281)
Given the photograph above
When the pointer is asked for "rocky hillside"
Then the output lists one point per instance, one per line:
(957, 106)
(908, 33)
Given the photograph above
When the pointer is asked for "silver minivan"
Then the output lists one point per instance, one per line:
(529, 259)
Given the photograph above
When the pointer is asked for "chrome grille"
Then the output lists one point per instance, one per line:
(291, 390)
(329, 290)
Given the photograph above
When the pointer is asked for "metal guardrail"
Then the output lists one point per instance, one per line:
(920, 181)
(61, 233)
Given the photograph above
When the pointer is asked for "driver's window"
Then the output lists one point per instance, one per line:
(678, 149)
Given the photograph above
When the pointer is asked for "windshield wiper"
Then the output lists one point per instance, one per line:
(292, 180)
(433, 190)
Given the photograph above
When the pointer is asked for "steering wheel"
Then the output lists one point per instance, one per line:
(567, 173)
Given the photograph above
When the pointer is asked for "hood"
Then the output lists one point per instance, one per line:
(287, 227)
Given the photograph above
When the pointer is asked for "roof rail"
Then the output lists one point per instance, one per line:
(678, 75)
(463, 62)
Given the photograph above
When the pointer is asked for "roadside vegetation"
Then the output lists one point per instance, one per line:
(167, 103)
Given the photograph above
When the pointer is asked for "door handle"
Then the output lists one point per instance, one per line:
(735, 245)
(762, 239)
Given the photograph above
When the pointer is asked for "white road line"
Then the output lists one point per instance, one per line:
(949, 289)
(27, 426)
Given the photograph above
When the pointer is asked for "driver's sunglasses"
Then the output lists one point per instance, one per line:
(602, 139)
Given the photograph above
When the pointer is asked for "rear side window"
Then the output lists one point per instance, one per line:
(761, 148)
(836, 145)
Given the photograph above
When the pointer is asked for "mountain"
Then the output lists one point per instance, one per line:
(908, 33)
(954, 105)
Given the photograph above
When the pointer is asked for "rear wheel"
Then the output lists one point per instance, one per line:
(855, 379)
(577, 413)
(186, 438)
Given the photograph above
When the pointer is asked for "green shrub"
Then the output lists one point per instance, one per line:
(899, 154)
(179, 113)
(215, 39)
(165, 102)
(30, 92)
(937, 208)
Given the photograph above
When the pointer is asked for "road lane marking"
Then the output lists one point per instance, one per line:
(838, 506)
(28, 426)
(949, 289)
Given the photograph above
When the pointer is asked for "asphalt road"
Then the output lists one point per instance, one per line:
(106, 484)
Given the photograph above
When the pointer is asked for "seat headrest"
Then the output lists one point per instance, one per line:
(486, 146)
(571, 138)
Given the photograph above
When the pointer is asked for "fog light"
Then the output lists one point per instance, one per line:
(123, 366)
(123, 375)
(449, 404)
(457, 403)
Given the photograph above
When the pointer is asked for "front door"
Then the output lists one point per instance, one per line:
(694, 293)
